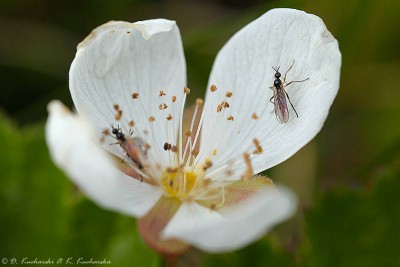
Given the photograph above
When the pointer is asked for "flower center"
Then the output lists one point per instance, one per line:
(182, 172)
(180, 183)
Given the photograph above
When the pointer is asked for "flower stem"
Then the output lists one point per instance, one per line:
(171, 261)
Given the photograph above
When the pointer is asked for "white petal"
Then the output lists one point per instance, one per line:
(121, 58)
(244, 67)
(218, 232)
(71, 146)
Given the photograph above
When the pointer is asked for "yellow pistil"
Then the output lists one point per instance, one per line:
(179, 183)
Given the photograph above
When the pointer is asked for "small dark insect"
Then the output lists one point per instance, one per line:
(280, 95)
(134, 147)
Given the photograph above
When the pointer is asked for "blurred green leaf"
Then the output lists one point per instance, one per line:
(350, 228)
(261, 253)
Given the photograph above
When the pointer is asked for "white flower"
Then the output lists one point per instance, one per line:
(133, 76)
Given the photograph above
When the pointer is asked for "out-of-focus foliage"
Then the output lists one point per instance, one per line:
(350, 228)
(347, 179)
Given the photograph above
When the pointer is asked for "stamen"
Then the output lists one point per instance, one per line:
(229, 94)
(254, 116)
(184, 183)
(207, 164)
(249, 168)
(173, 99)
(169, 129)
(162, 106)
(223, 104)
(230, 118)
(197, 134)
(169, 117)
(186, 90)
(188, 133)
(220, 123)
(199, 102)
(181, 125)
(135, 95)
(222, 196)
(151, 119)
(207, 192)
(171, 170)
(167, 146)
(118, 115)
(195, 152)
(259, 150)
(213, 88)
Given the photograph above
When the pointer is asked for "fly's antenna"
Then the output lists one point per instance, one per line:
(276, 70)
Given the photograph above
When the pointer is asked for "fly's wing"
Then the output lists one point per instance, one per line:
(281, 109)
(135, 148)
(141, 146)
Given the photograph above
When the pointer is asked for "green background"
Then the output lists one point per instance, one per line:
(347, 178)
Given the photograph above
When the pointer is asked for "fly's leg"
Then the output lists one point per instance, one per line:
(284, 78)
(291, 104)
(296, 82)
(116, 143)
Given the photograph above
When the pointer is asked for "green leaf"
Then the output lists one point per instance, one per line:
(261, 253)
(350, 228)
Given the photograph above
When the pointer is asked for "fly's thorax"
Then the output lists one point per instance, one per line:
(277, 83)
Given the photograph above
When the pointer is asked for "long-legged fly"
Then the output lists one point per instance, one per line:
(280, 95)
(134, 147)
